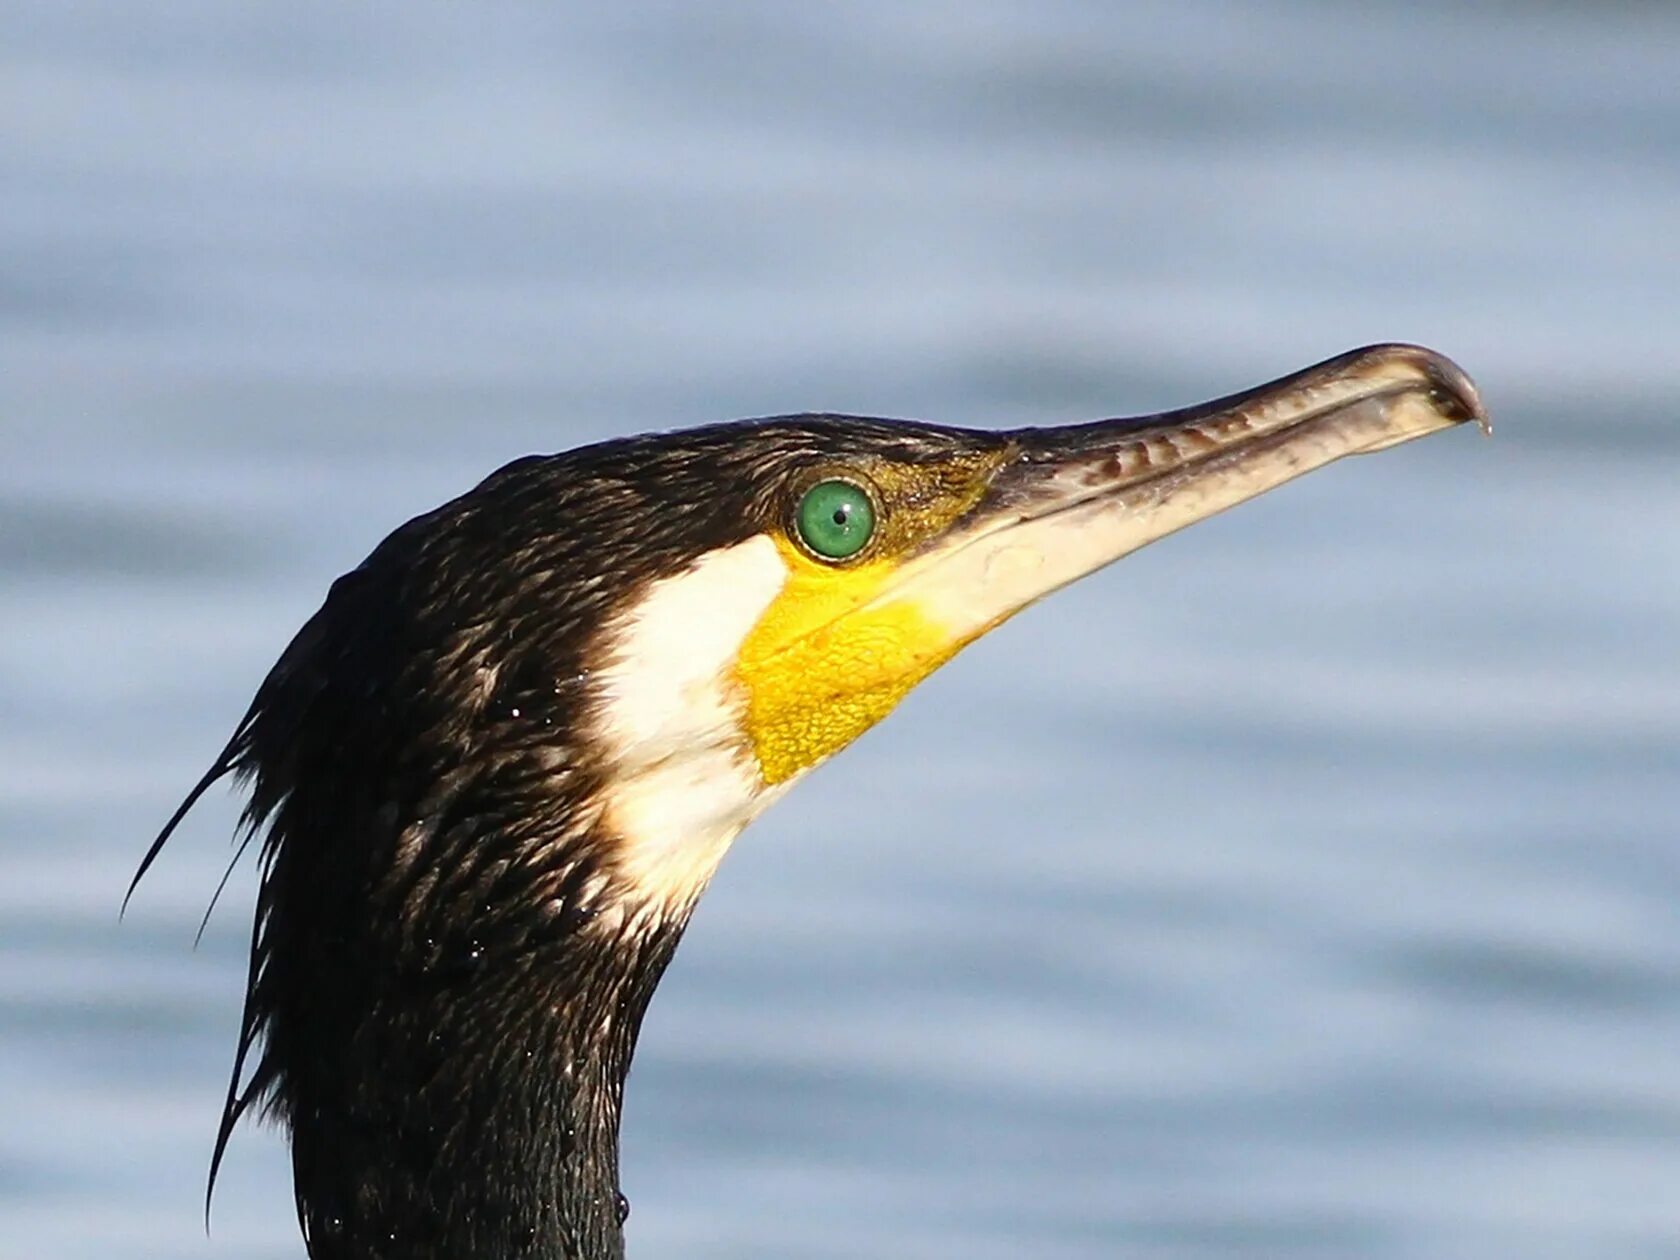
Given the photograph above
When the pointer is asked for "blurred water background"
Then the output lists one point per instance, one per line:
(1304, 886)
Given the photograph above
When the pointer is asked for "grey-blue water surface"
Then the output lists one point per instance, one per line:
(1305, 885)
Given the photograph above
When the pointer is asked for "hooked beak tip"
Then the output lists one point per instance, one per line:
(1450, 388)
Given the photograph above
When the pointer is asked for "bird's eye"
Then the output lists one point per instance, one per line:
(835, 519)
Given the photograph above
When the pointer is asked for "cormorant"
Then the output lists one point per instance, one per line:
(495, 771)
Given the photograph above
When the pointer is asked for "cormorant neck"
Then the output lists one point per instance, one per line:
(472, 881)
(470, 1110)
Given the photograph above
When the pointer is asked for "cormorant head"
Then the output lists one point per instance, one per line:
(774, 588)
(502, 761)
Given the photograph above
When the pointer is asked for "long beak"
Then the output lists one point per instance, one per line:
(1077, 498)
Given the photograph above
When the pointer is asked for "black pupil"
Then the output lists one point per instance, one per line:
(840, 514)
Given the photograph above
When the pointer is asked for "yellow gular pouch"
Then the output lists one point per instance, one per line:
(835, 650)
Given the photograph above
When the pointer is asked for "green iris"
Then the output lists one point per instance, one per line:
(835, 519)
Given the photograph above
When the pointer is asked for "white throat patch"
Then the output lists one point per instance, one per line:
(682, 779)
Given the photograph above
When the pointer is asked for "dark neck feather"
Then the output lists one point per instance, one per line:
(446, 984)
(468, 1110)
